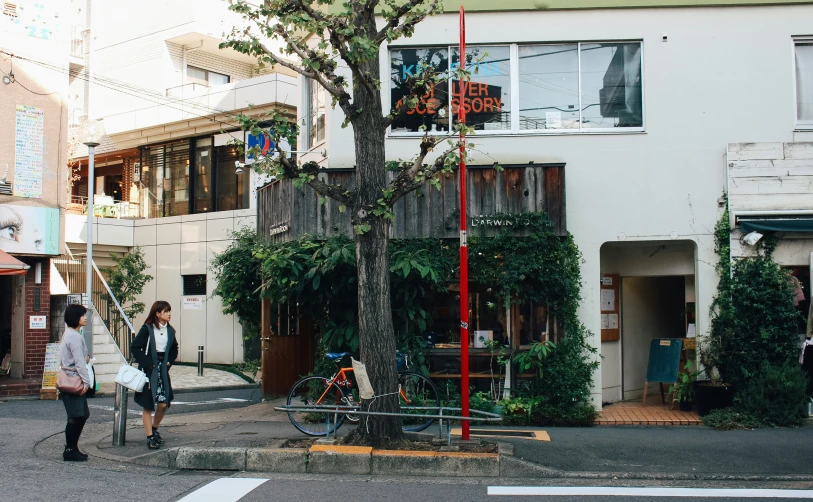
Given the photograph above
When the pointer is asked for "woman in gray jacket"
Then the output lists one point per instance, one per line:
(73, 354)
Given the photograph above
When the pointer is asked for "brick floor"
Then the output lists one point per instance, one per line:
(653, 413)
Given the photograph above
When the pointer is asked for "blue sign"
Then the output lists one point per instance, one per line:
(262, 142)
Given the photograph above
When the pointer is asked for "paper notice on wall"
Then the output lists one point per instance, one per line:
(605, 321)
(37, 322)
(553, 120)
(28, 151)
(607, 300)
(690, 332)
(192, 303)
(51, 366)
(613, 320)
(606, 281)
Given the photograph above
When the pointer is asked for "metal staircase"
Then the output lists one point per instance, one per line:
(112, 330)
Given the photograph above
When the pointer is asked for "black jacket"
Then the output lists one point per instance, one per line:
(143, 350)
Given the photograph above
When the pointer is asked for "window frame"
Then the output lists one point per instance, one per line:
(207, 72)
(515, 98)
(799, 125)
(307, 106)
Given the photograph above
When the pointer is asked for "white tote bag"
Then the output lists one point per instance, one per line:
(132, 378)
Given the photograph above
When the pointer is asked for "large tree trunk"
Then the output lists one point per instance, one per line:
(376, 332)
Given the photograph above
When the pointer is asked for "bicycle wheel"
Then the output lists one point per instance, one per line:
(314, 390)
(419, 391)
(351, 397)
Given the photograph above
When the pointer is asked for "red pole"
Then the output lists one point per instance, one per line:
(464, 250)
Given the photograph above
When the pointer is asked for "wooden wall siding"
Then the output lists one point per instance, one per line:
(770, 176)
(426, 212)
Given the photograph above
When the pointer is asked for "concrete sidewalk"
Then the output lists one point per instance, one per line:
(631, 452)
(185, 378)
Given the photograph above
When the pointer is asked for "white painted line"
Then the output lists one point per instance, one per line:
(648, 492)
(224, 490)
(212, 401)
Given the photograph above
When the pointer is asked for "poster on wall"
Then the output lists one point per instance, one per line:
(28, 151)
(29, 229)
(51, 366)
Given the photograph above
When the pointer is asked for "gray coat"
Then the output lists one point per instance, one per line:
(73, 354)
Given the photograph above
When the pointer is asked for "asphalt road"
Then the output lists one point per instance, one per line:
(32, 472)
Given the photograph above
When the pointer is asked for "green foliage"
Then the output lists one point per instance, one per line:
(251, 366)
(127, 279)
(775, 396)
(237, 274)
(534, 359)
(580, 415)
(753, 319)
(730, 419)
(684, 387)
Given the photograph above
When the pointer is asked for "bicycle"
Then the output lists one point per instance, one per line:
(414, 389)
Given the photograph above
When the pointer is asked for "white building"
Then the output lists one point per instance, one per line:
(639, 105)
(166, 177)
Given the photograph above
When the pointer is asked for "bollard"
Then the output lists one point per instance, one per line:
(200, 360)
(120, 416)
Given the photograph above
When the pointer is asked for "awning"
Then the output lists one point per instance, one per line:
(10, 265)
(803, 224)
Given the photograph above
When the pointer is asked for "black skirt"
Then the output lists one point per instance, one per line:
(75, 406)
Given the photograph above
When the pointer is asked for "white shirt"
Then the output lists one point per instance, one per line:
(160, 338)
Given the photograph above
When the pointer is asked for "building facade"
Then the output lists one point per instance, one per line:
(639, 103)
(169, 176)
(34, 45)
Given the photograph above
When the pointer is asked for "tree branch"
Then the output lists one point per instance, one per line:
(293, 171)
(392, 30)
(413, 176)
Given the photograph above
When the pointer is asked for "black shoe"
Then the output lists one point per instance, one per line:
(73, 455)
(157, 437)
(152, 444)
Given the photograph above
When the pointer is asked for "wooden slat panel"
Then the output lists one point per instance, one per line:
(779, 202)
(424, 211)
(451, 203)
(436, 228)
(554, 197)
(529, 189)
(410, 216)
(540, 201)
(772, 186)
(512, 185)
(500, 201)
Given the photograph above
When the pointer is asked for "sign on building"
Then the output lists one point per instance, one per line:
(37, 322)
(193, 302)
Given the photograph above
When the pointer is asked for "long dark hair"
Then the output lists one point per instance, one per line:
(156, 309)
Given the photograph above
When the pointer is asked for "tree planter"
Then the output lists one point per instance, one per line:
(709, 396)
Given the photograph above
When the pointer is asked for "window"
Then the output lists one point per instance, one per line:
(487, 102)
(210, 78)
(575, 87)
(432, 108)
(316, 113)
(803, 53)
(194, 284)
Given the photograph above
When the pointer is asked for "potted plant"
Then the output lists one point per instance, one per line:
(711, 393)
(683, 389)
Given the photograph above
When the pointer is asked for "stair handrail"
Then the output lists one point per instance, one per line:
(113, 297)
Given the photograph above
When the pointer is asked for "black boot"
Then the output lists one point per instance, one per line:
(157, 437)
(152, 444)
(73, 455)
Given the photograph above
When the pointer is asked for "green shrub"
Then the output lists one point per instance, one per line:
(568, 372)
(730, 419)
(775, 396)
(581, 415)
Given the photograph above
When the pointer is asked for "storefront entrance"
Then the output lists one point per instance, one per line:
(12, 317)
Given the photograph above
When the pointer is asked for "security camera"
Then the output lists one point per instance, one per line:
(7, 79)
(752, 238)
(238, 167)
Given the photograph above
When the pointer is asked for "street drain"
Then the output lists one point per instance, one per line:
(518, 434)
(246, 434)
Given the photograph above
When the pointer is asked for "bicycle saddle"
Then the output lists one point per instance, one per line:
(335, 356)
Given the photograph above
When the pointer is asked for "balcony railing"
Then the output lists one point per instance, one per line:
(186, 89)
(105, 207)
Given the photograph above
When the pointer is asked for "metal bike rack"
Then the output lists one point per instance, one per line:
(483, 416)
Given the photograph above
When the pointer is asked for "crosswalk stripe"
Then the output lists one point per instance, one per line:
(648, 492)
(224, 490)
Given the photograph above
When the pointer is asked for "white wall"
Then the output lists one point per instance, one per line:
(174, 247)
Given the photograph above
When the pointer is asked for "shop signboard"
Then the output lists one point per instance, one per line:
(30, 230)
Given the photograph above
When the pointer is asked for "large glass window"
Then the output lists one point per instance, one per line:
(203, 175)
(575, 87)
(210, 78)
(549, 87)
(432, 108)
(316, 113)
(487, 102)
(804, 82)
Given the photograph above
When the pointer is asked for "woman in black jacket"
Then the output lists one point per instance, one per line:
(155, 348)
